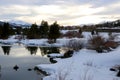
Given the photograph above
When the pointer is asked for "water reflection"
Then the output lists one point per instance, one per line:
(49, 50)
(20, 56)
(32, 49)
(6, 49)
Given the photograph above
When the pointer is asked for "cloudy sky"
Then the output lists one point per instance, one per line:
(65, 12)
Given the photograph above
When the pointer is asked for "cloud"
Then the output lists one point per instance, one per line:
(57, 13)
(66, 12)
(30, 2)
(15, 9)
(111, 12)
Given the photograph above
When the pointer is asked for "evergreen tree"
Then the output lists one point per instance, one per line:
(0, 30)
(44, 28)
(5, 30)
(25, 31)
(80, 31)
(54, 32)
(33, 32)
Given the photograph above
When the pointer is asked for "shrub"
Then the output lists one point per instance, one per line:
(112, 37)
(86, 75)
(75, 44)
(110, 44)
(100, 44)
(97, 42)
(72, 34)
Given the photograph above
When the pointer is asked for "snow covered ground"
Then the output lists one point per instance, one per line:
(84, 65)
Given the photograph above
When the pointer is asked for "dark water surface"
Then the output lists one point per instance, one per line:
(25, 58)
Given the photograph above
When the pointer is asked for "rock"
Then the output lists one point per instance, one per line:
(68, 54)
(41, 71)
(16, 67)
(118, 74)
(52, 60)
(112, 69)
(29, 69)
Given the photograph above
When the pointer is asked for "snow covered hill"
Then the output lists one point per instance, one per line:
(19, 23)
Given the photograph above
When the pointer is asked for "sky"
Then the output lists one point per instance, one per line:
(65, 12)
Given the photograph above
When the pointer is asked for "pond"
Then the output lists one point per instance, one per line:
(25, 58)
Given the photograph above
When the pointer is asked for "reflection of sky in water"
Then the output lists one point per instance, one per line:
(20, 56)
(19, 51)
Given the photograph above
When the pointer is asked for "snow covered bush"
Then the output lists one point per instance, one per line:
(75, 44)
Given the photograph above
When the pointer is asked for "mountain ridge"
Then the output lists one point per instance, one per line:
(16, 23)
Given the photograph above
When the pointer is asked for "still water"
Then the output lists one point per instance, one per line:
(25, 58)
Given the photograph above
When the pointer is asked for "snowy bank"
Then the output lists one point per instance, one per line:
(60, 42)
(84, 65)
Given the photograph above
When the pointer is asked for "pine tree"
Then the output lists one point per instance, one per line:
(80, 31)
(33, 32)
(54, 32)
(44, 28)
(5, 30)
(0, 30)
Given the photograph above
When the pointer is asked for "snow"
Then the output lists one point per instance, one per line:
(54, 55)
(84, 64)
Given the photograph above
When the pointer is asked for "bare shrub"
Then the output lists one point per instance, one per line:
(112, 37)
(72, 34)
(62, 73)
(101, 44)
(75, 44)
(86, 75)
(62, 76)
(110, 44)
(89, 63)
(97, 42)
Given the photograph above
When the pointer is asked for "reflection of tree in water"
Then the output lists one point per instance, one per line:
(32, 49)
(49, 50)
(6, 49)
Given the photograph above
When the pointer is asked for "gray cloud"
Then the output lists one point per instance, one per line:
(46, 2)
(60, 10)
(29, 2)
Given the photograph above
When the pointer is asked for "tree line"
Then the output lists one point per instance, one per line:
(44, 30)
(104, 25)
